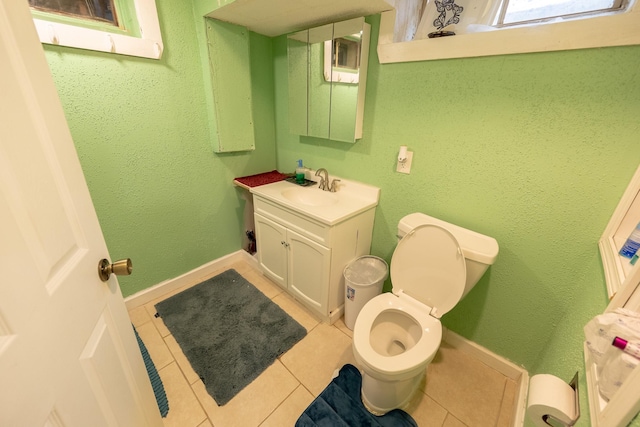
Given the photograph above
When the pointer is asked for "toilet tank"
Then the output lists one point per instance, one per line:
(479, 251)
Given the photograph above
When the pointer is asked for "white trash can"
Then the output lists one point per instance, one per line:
(363, 280)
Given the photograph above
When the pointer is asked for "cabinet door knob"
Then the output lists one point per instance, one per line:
(282, 243)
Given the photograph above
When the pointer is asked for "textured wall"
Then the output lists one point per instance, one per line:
(534, 150)
(142, 131)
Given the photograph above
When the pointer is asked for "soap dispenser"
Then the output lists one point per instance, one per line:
(300, 177)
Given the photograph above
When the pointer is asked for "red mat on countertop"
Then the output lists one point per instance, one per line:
(261, 179)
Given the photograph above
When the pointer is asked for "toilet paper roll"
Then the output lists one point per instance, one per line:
(549, 395)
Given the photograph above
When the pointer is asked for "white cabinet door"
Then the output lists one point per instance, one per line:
(68, 355)
(272, 254)
(309, 268)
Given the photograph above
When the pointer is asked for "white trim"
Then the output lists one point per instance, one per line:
(149, 45)
(618, 29)
(621, 278)
(147, 295)
(500, 364)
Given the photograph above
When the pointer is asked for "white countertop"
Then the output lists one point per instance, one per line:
(353, 198)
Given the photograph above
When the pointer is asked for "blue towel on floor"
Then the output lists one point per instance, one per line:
(340, 405)
(154, 377)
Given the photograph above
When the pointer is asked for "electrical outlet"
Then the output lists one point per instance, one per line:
(405, 167)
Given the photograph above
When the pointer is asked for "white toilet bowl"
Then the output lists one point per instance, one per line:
(393, 341)
(397, 334)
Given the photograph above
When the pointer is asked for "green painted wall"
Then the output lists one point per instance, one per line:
(143, 133)
(534, 150)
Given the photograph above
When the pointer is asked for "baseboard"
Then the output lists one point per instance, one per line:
(149, 294)
(500, 364)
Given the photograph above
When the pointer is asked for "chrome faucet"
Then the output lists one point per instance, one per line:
(324, 182)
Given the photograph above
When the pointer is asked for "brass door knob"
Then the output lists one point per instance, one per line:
(122, 267)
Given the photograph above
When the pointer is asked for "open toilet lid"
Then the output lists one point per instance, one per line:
(429, 265)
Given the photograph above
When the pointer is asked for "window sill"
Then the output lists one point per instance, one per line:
(612, 30)
(149, 45)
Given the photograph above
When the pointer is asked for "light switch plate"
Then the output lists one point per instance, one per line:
(405, 167)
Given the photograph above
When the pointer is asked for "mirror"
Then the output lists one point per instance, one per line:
(327, 69)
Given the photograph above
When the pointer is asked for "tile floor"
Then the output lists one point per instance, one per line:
(459, 390)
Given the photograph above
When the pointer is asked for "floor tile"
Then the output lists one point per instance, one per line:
(290, 410)
(452, 421)
(241, 267)
(466, 387)
(254, 403)
(157, 321)
(156, 347)
(426, 411)
(315, 358)
(262, 283)
(139, 316)
(184, 408)
(459, 390)
(296, 311)
(181, 359)
(340, 325)
(507, 408)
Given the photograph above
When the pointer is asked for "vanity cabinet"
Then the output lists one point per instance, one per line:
(299, 265)
(307, 257)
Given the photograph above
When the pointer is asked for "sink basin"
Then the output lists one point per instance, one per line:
(310, 196)
(325, 207)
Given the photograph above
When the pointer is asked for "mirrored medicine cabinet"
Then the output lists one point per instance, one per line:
(327, 73)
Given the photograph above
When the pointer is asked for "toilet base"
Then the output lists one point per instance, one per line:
(380, 397)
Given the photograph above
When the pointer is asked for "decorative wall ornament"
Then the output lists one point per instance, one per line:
(447, 8)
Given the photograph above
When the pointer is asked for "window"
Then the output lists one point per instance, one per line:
(128, 27)
(524, 11)
(498, 27)
(97, 10)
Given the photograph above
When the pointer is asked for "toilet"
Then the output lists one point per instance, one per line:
(397, 334)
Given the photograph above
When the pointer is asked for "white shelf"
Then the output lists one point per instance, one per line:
(623, 406)
(622, 280)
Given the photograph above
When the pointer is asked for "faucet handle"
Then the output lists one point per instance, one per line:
(334, 188)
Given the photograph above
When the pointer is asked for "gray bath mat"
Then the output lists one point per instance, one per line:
(229, 330)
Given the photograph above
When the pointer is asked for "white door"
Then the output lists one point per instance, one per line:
(68, 356)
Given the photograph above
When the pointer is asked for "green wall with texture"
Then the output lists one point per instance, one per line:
(143, 135)
(534, 150)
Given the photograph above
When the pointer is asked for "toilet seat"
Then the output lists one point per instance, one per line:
(428, 265)
(428, 274)
(408, 361)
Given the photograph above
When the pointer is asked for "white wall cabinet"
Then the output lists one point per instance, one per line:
(306, 257)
